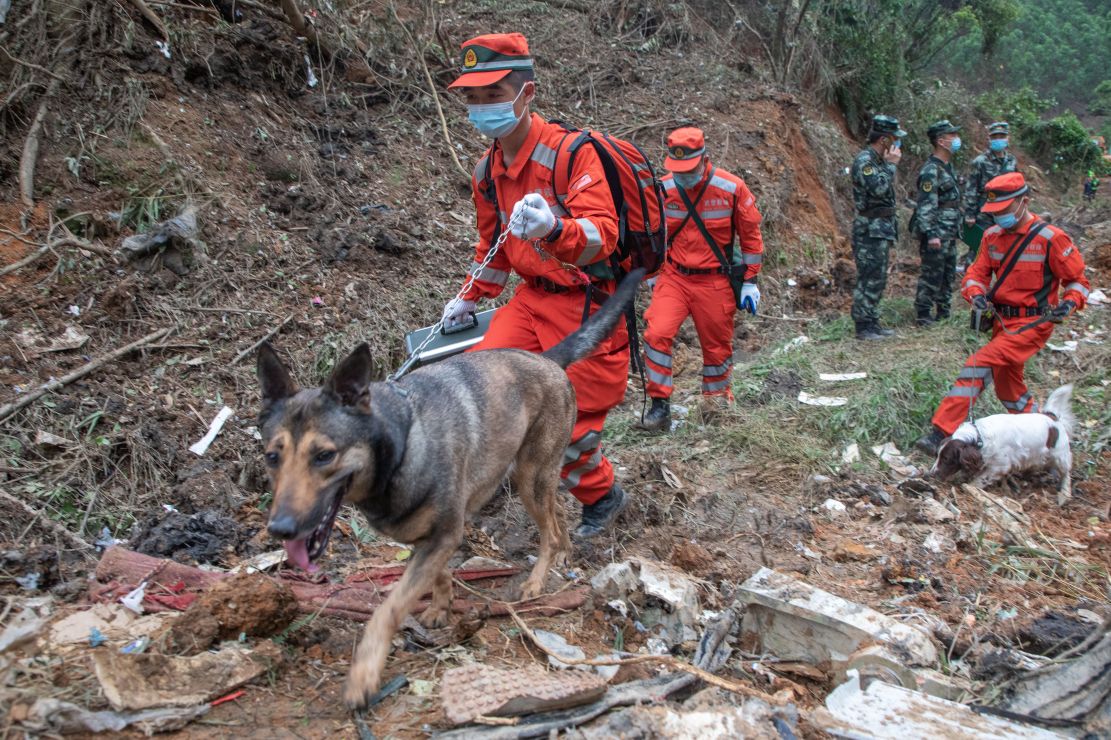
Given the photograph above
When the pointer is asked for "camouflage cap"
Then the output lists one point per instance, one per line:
(999, 127)
(940, 128)
(887, 125)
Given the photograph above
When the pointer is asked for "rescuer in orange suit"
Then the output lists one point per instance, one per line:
(694, 281)
(1026, 304)
(559, 245)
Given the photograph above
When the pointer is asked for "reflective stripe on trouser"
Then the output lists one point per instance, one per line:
(536, 321)
(586, 472)
(709, 301)
(1002, 360)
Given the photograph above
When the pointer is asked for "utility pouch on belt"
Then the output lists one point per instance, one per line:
(982, 320)
(450, 343)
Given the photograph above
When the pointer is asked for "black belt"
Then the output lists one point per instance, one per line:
(1018, 312)
(694, 270)
(878, 213)
(549, 286)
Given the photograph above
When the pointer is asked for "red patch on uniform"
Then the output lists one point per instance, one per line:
(582, 182)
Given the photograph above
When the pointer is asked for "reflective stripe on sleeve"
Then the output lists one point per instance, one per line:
(717, 213)
(1078, 288)
(752, 258)
(720, 182)
(488, 274)
(593, 241)
(544, 155)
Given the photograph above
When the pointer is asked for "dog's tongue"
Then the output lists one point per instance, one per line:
(297, 551)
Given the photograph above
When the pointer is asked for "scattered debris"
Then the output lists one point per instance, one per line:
(615, 581)
(204, 537)
(113, 622)
(895, 460)
(834, 507)
(1053, 633)
(841, 377)
(47, 439)
(1069, 345)
(132, 682)
(851, 454)
(262, 562)
(932, 511)
(201, 447)
(477, 690)
(810, 400)
(551, 643)
(795, 621)
(133, 599)
(753, 719)
(25, 625)
(1097, 297)
(679, 593)
(793, 344)
(938, 543)
(181, 230)
(61, 717)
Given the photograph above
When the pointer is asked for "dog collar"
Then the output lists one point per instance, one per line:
(979, 437)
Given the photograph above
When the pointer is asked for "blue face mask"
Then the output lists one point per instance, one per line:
(998, 145)
(955, 145)
(495, 119)
(1006, 220)
(687, 180)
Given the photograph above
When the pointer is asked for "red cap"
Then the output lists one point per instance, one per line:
(1001, 191)
(685, 147)
(489, 58)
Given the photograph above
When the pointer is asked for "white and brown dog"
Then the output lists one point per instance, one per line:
(985, 450)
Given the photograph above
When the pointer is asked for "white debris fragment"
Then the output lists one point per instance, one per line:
(1067, 346)
(1097, 297)
(134, 599)
(839, 377)
(834, 507)
(164, 47)
(895, 460)
(851, 454)
(810, 400)
(793, 344)
(554, 643)
(309, 76)
(201, 447)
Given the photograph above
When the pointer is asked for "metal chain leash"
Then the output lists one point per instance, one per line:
(415, 355)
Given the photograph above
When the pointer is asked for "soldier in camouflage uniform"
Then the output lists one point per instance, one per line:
(875, 228)
(937, 221)
(992, 163)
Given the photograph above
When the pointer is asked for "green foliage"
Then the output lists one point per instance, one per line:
(1023, 107)
(1057, 47)
(1101, 99)
(1064, 143)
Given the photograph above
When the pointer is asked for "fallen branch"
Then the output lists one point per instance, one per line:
(45, 520)
(31, 65)
(265, 337)
(9, 409)
(435, 95)
(33, 257)
(69, 241)
(31, 151)
(152, 18)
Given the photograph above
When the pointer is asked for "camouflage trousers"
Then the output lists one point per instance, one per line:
(870, 254)
(935, 281)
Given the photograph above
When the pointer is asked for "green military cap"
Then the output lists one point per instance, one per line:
(940, 128)
(887, 125)
(999, 127)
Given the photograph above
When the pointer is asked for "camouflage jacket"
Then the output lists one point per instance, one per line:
(874, 196)
(980, 172)
(938, 211)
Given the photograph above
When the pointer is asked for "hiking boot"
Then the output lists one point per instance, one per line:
(600, 515)
(658, 418)
(870, 332)
(880, 329)
(930, 443)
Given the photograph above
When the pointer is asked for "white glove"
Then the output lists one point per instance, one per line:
(532, 218)
(750, 297)
(457, 311)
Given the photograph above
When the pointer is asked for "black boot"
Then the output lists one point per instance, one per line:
(866, 330)
(924, 320)
(658, 418)
(600, 515)
(930, 443)
(880, 329)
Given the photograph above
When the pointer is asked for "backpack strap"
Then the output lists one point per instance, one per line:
(692, 215)
(486, 187)
(1017, 249)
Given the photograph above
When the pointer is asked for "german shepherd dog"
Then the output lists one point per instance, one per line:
(420, 455)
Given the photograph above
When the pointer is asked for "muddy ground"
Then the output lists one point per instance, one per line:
(332, 214)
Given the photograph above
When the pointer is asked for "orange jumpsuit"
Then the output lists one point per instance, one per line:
(692, 282)
(1049, 262)
(549, 303)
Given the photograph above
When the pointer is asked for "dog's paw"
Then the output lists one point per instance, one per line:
(435, 618)
(361, 684)
(532, 589)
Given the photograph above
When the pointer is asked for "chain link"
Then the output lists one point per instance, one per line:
(415, 355)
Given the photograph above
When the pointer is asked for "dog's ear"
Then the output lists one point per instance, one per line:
(350, 381)
(971, 459)
(273, 378)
